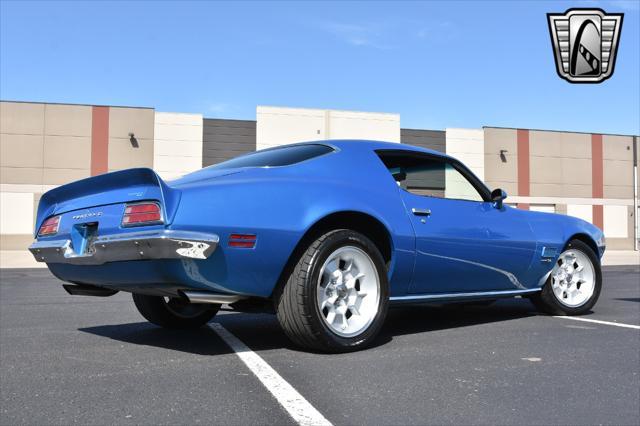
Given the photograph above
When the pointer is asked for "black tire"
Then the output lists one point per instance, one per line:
(174, 313)
(297, 308)
(547, 302)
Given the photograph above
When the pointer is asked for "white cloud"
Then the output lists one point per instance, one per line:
(216, 107)
(358, 35)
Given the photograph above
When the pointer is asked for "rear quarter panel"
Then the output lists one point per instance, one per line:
(279, 205)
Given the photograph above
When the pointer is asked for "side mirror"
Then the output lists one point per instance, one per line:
(497, 198)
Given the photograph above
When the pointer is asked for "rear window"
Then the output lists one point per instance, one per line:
(284, 156)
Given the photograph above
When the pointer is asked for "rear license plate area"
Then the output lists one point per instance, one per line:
(82, 235)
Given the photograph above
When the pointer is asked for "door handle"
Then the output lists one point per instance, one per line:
(421, 212)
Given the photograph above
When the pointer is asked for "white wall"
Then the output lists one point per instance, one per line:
(545, 208)
(280, 126)
(467, 145)
(581, 211)
(178, 144)
(616, 221)
(16, 213)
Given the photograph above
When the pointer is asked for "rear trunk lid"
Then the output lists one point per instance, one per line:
(102, 198)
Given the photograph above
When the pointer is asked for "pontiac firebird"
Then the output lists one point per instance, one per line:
(324, 234)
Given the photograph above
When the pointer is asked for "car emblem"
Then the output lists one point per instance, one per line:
(86, 215)
(585, 43)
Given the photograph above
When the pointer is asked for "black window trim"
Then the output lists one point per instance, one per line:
(478, 185)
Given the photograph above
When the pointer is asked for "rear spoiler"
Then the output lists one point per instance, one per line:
(110, 188)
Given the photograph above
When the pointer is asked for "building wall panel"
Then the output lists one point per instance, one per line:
(501, 171)
(21, 175)
(178, 144)
(67, 120)
(430, 139)
(546, 170)
(60, 176)
(362, 125)
(225, 139)
(497, 169)
(21, 150)
(572, 145)
(123, 155)
(280, 126)
(67, 152)
(616, 222)
(573, 191)
(16, 213)
(617, 147)
(21, 118)
(544, 144)
(139, 121)
(467, 145)
(575, 171)
(581, 211)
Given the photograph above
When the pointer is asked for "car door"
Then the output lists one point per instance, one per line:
(463, 242)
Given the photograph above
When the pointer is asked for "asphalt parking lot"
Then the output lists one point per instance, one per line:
(81, 360)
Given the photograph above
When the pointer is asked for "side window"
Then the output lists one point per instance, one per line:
(429, 177)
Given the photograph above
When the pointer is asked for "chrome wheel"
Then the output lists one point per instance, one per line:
(348, 291)
(573, 278)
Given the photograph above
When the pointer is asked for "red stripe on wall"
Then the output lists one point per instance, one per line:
(597, 178)
(99, 140)
(523, 167)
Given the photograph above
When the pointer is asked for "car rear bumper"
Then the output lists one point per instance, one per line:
(142, 245)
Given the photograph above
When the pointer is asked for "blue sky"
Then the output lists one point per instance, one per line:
(438, 64)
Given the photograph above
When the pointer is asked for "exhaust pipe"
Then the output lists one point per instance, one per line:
(206, 297)
(88, 290)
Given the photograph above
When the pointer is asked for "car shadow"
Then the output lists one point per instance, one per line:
(628, 299)
(413, 319)
(261, 332)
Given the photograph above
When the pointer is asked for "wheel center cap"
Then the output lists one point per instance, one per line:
(342, 291)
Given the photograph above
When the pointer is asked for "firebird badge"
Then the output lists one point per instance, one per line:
(585, 43)
(86, 215)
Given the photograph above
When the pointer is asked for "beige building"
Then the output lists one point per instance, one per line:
(43, 145)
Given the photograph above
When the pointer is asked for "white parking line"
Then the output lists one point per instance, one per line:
(617, 324)
(296, 405)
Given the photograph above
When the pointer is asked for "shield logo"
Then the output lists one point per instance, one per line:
(585, 43)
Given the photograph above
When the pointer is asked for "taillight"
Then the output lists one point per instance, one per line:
(141, 214)
(49, 226)
(242, 240)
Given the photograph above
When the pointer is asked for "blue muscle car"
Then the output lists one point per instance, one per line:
(323, 234)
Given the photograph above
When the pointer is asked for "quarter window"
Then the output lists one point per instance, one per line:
(284, 156)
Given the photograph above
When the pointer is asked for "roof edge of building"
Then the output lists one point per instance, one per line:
(561, 131)
(76, 104)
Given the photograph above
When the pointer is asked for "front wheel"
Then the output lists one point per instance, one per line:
(574, 284)
(336, 298)
(173, 312)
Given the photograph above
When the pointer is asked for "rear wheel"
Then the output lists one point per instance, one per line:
(336, 298)
(574, 284)
(173, 312)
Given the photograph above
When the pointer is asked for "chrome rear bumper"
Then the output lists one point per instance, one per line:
(143, 245)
